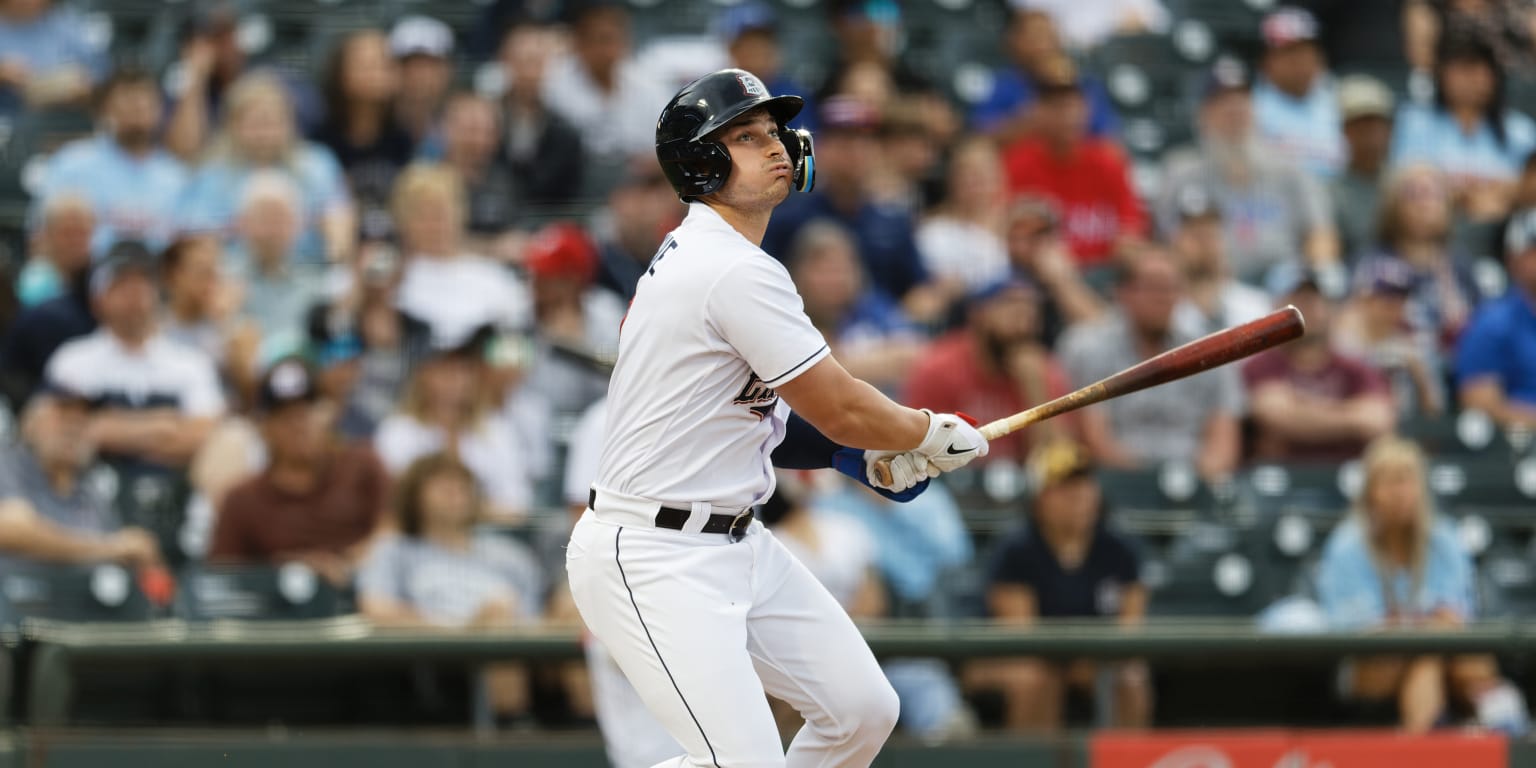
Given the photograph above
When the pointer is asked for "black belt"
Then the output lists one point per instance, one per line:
(674, 518)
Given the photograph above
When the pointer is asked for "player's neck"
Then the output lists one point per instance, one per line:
(751, 224)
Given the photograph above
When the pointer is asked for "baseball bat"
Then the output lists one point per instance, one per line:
(1197, 356)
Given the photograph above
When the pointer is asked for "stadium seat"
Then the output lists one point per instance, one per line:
(257, 592)
(1157, 501)
(1217, 583)
(1321, 493)
(1509, 583)
(1469, 432)
(152, 499)
(71, 593)
(1495, 489)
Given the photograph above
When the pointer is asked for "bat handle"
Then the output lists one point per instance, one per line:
(882, 471)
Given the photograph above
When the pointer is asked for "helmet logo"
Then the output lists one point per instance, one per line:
(752, 86)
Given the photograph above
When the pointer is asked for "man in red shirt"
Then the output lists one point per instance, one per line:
(318, 501)
(1086, 177)
(1309, 403)
(996, 366)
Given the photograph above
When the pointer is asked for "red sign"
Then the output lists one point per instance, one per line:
(1296, 749)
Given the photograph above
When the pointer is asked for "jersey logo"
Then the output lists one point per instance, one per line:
(758, 397)
(752, 86)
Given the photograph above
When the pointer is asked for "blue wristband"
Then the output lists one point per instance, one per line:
(850, 461)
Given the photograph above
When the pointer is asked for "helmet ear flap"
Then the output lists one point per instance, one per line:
(695, 168)
(802, 155)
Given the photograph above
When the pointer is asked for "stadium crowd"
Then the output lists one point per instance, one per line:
(359, 315)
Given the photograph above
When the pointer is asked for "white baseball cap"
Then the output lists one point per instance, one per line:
(421, 36)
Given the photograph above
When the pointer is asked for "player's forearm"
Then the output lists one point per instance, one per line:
(872, 421)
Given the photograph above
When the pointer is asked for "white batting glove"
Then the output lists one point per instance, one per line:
(906, 469)
(951, 443)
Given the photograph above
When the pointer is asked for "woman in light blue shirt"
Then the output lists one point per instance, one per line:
(260, 132)
(1467, 132)
(1394, 563)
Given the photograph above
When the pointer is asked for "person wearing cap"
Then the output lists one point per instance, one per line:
(48, 511)
(601, 88)
(131, 182)
(541, 149)
(47, 59)
(1032, 40)
(1309, 403)
(576, 324)
(1192, 420)
(846, 148)
(1469, 132)
(1496, 355)
(1366, 107)
(1273, 212)
(1213, 299)
(157, 399)
(866, 330)
(1374, 326)
(994, 366)
(423, 49)
(750, 33)
(1295, 104)
(1088, 179)
(1068, 563)
(318, 501)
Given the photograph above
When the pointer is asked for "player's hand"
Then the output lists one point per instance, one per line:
(905, 470)
(951, 443)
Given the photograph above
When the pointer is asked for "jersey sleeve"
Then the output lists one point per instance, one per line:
(756, 310)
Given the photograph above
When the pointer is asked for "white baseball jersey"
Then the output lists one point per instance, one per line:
(715, 325)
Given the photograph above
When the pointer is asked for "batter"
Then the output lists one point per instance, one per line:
(720, 377)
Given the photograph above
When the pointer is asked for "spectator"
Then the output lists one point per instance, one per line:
(364, 346)
(212, 61)
(1395, 563)
(995, 366)
(258, 132)
(157, 399)
(1295, 104)
(869, 39)
(361, 128)
(866, 330)
(1415, 227)
(1031, 41)
(641, 210)
(1088, 25)
(199, 303)
(1375, 328)
(750, 33)
(1192, 420)
(278, 290)
(601, 89)
(471, 138)
(438, 571)
(962, 241)
(841, 553)
(61, 250)
(887, 244)
(423, 49)
(1468, 133)
(1502, 25)
(38, 331)
(542, 150)
(48, 512)
(49, 60)
(576, 324)
(1088, 179)
(1273, 212)
(1496, 357)
(1037, 252)
(449, 406)
(1309, 403)
(1363, 38)
(318, 501)
(1212, 299)
(910, 171)
(133, 185)
(1066, 564)
(453, 291)
(1365, 105)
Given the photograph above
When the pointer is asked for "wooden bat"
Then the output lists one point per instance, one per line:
(1197, 356)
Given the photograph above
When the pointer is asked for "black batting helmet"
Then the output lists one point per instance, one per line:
(696, 166)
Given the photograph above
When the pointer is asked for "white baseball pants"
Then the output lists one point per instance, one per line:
(702, 626)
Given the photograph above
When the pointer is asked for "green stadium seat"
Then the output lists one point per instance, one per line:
(1509, 583)
(257, 592)
(1157, 501)
(153, 499)
(1467, 433)
(71, 593)
(1206, 584)
(1491, 487)
(1321, 493)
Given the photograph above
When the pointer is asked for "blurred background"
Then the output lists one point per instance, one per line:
(307, 309)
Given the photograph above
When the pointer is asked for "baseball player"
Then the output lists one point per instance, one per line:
(699, 605)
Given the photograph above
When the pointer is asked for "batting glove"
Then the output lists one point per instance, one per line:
(909, 472)
(951, 443)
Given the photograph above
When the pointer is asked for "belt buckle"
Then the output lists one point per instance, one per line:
(738, 533)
